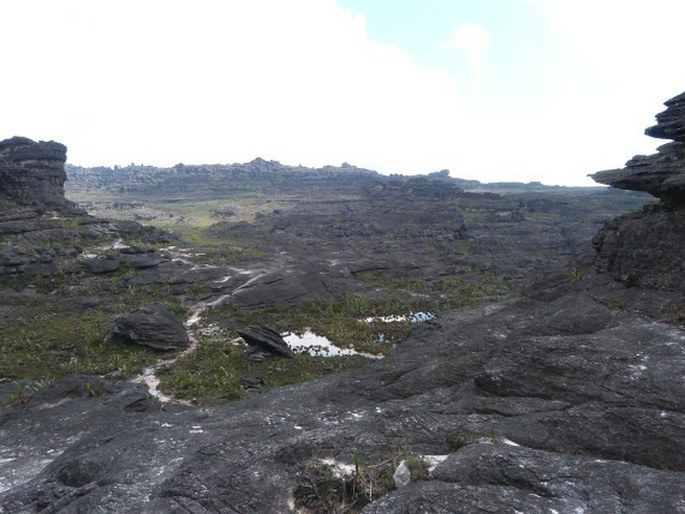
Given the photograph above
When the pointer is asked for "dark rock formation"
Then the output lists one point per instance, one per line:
(484, 477)
(661, 174)
(645, 249)
(265, 338)
(154, 325)
(648, 248)
(32, 174)
(42, 232)
(671, 122)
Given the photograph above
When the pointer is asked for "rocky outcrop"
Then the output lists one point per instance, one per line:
(265, 338)
(648, 249)
(42, 233)
(155, 326)
(645, 249)
(661, 174)
(32, 173)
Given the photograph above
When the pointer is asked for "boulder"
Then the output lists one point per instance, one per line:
(644, 249)
(155, 326)
(100, 265)
(265, 338)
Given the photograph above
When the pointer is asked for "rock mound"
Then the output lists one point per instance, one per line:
(265, 338)
(155, 326)
(43, 233)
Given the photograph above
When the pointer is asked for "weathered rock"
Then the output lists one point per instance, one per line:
(33, 173)
(100, 265)
(661, 174)
(553, 483)
(645, 249)
(266, 338)
(671, 122)
(155, 325)
(141, 260)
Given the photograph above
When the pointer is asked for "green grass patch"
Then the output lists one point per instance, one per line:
(216, 371)
(454, 291)
(45, 337)
(212, 249)
(51, 342)
(342, 322)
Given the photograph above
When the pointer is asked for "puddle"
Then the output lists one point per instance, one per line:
(320, 346)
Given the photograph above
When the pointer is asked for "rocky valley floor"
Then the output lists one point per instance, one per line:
(549, 380)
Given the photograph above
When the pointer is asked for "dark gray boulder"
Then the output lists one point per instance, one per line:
(100, 265)
(156, 326)
(265, 338)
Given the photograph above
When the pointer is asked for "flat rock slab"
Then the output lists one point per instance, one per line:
(154, 325)
(265, 338)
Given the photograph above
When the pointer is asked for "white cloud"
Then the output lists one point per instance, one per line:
(221, 81)
(472, 40)
(625, 54)
(172, 81)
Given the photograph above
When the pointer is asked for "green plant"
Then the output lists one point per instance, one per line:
(217, 371)
(463, 439)
(576, 274)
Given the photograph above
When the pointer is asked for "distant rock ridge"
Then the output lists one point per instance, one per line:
(32, 173)
(661, 174)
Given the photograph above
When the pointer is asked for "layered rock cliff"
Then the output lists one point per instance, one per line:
(648, 248)
(41, 232)
(661, 174)
(32, 173)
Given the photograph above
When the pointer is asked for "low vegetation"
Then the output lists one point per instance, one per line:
(59, 340)
(327, 487)
(54, 327)
(218, 370)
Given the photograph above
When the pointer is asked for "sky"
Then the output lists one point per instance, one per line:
(493, 90)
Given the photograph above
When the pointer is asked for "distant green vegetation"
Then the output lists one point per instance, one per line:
(190, 219)
(456, 292)
(210, 249)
